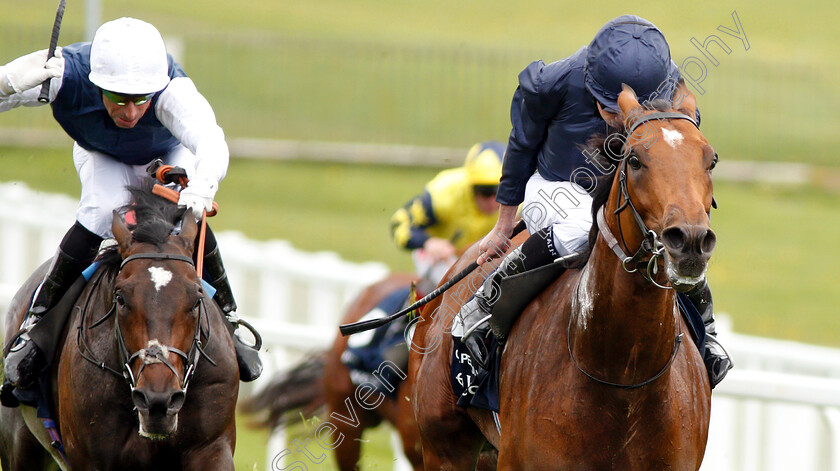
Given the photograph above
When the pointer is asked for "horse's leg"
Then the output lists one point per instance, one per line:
(19, 449)
(348, 452)
(407, 427)
(451, 440)
(217, 455)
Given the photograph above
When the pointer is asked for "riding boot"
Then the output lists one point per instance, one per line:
(24, 360)
(717, 361)
(538, 250)
(247, 356)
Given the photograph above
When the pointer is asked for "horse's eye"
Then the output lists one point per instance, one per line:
(634, 162)
(714, 163)
(119, 299)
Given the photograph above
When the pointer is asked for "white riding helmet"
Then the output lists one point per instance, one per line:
(128, 56)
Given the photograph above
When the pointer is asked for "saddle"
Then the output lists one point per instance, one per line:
(517, 291)
(44, 334)
(52, 323)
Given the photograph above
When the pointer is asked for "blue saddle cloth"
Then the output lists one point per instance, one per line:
(476, 387)
(365, 351)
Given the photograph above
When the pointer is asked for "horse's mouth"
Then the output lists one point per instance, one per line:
(157, 426)
(685, 274)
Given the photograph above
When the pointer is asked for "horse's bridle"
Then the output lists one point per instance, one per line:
(650, 247)
(156, 353)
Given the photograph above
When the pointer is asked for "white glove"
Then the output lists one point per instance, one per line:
(31, 70)
(198, 195)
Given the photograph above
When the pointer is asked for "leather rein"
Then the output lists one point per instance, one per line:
(645, 258)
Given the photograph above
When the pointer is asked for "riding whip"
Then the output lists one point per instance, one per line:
(59, 14)
(356, 327)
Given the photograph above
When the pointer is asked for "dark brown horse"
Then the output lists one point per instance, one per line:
(595, 374)
(324, 380)
(146, 376)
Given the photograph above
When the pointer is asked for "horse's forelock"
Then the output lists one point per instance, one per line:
(155, 217)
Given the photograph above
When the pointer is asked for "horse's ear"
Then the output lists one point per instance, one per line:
(611, 118)
(684, 101)
(627, 100)
(189, 228)
(121, 233)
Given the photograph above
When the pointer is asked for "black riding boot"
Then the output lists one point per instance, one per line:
(247, 356)
(24, 360)
(716, 359)
(538, 250)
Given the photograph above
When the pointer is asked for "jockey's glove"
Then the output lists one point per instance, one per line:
(29, 71)
(198, 195)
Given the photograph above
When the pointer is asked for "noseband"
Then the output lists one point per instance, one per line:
(154, 352)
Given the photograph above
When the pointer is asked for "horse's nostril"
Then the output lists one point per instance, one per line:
(708, 241)
(674, 238)
(157, 402)
(140, 400)
(177, 400)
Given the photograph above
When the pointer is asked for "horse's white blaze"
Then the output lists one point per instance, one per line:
(583, 301)
(160, 277)
(151, 359)
(672, 137)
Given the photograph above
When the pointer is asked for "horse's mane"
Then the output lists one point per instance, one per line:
(155, 218)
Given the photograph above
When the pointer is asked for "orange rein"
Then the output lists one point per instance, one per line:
(172, 195)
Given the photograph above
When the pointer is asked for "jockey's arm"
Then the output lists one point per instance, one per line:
(190, 118)
(496, 242)
(20, 79)
(409, 223)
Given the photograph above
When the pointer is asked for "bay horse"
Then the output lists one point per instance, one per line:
(146, 374)
(321, 385)
(595, 373)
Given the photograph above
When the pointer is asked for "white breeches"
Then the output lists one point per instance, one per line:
(565, 206)
(104, 179)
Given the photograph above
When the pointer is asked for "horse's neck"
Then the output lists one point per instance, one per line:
(622, 327)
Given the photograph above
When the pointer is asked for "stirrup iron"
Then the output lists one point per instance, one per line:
(475, 326)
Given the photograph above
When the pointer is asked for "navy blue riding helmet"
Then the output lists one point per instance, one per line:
(630, 50)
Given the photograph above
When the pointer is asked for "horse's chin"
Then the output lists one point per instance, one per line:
(683, 282)
(157, 427)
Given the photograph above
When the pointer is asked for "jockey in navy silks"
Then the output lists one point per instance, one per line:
(554, 113)
(125, 102)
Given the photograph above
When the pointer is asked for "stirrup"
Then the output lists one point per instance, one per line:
(247, 356)
(476, 344)
(236, 322)
(468, 332)
(24, 361)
